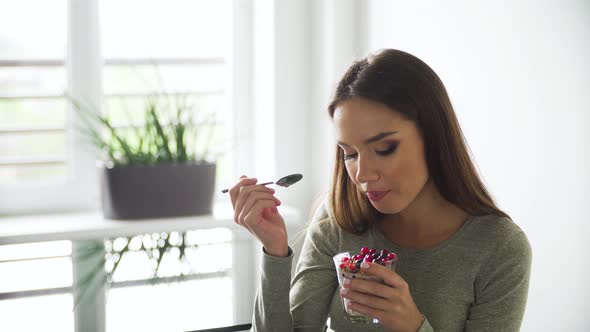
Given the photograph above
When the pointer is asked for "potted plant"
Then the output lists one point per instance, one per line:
(159, 167)
(154, 169)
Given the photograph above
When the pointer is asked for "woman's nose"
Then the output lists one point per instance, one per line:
(366, 171)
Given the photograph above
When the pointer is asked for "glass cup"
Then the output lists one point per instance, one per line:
(342, 273)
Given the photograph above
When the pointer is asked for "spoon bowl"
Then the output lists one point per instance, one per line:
(288, 180)
(285, 181)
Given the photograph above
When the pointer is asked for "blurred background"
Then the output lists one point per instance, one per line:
(517, 72)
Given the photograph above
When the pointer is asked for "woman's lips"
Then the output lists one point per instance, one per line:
(376, 196)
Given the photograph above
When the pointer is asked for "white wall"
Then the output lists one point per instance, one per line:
(337, 38)
(281, 94)
(518, 73)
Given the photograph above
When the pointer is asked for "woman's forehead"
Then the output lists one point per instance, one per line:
(357, 111)
(361, 120)
(370, 139)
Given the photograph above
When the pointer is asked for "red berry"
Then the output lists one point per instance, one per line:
(351, 266)
(342, 266)
(365, 251)
(382, 257)
(345, 259)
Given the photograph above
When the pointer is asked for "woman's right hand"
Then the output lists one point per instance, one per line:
(255, 208)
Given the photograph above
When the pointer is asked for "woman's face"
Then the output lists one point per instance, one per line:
(383, 153)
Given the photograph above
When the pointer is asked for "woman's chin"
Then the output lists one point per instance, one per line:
(386, 208)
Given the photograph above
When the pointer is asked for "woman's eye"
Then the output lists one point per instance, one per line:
(349, 156)
(388, 151)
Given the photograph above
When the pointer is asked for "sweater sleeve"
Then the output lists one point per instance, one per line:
(315, 280)
(271, 305)
(501, 289)
(303, 304)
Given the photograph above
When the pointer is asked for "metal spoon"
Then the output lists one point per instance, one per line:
(285, 181)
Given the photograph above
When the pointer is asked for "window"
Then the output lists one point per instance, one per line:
(196, 289)
(114, 53)
(36, 278)
(181, 47)
(33, 118)
(188, 291)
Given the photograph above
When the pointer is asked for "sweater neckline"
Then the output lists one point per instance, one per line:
(423, 251)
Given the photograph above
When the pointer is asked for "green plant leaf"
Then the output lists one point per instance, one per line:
(169, 134)
(161, 140)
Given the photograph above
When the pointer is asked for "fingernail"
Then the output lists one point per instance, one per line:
(364, 265)
(274, 209)
(344, 291)
(346, 282)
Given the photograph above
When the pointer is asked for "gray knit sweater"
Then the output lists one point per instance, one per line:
(477, 280)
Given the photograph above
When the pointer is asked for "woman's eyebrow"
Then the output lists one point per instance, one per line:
(372, 139)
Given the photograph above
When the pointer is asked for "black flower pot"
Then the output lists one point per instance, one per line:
(157, 191)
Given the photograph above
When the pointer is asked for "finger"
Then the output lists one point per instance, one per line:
(245, 192)
(235, 190)
(368, 300)
(253, 197)
(234, 193)
(367, 311)
(241, 192)
(389, 277)
(254, 217)
(371, 287)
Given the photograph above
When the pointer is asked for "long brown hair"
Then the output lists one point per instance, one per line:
(405, 83)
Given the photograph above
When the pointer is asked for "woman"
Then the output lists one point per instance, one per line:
(403, 181)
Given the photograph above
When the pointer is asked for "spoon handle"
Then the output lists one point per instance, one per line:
(261, 184)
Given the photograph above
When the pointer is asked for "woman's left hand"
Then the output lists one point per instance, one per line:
(391, 303)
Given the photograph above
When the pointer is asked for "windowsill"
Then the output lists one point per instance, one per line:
(92, 225)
